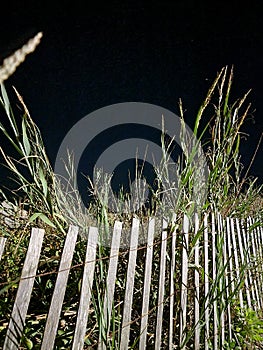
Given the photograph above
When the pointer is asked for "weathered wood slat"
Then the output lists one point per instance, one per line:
(159, 320)
(184, 282)
(214, 275)
(230, 254)
(226, 254)
(206, 280)
(197, 285)
(86, 289)
(259, 254)
(252, 223)
(172, 272)
(127, 308)
(111, 278)
(59, 290)
(260, 242)
(246, 240)
(257, 258)
(254, 255)
(236, 259)
(18, 316)
(261, 239)
(2, 246)
(147, 284)
(221, 248)
(242, 258)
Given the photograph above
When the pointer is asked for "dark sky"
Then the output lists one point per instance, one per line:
(94, 56)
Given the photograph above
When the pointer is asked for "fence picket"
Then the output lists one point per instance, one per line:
(229, 255)
(259, 254)
(261, 239)
(110, 284)
(147, 284)
(214, 276)
(206, 280)
(2, 246)
(260, 233)
(226, 254)
(197, 285)
(242, 258)
(18, 316)
(59, 290)
(184, 291)
(159, 320)
(260, 242)
(247, 245)
(254, 255)
(237, 268)
(172, 272)
(127, 308)
(86, 288)
(221, 261)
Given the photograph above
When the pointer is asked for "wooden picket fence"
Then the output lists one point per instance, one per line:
(200, 262)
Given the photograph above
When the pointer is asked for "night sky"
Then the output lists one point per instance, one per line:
(94, 56)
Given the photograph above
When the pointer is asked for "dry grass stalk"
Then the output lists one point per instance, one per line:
(12, 62)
